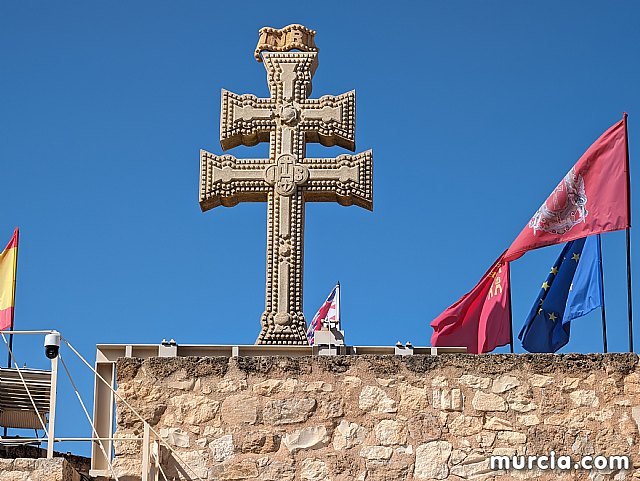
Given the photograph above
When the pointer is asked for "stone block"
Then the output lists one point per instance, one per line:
(494, 423)
(521, 404)
(318, 386)
(313, 470)
(488, 402)
(376, 453)
(272, 470)
(186, 385)
(288, 411)
(425, 427)
(448, 399)
(474, 470)
(372, 398)
(412, 398)
(440, 381)
(347, 435)
(528, 419)
(245, 469)
(432, 460)
(306, 438)
(222, 448)
(260, 442)
(465, 425)
(231, 385)
(585, 398)
(570, 383)
(511, 437)
(176, 437)
(476, 382)
(390, 433)
(330, 409)
(539, 380)
(275, 386)
(194, 409)
(240, 409)
(504, 384)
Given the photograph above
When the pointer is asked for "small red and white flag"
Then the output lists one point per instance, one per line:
(328, 314)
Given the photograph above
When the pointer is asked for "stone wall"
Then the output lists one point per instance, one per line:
(23, 469)
(79, 463)
(379, 418)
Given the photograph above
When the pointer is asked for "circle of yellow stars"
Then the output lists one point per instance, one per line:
(545, 285)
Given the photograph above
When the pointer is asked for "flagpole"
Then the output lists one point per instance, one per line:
(602, 310)
(510, 309)
(629, 301)
(337, 316)
(338, 307)
(629, 297)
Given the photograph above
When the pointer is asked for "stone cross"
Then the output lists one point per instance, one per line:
(287, 179)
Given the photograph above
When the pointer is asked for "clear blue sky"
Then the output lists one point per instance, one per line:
(474, 110)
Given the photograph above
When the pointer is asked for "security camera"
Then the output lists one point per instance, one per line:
(52, 345)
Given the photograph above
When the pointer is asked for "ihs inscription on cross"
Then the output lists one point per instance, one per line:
(287, 179)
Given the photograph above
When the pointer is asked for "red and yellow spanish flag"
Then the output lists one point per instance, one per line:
(8, 265)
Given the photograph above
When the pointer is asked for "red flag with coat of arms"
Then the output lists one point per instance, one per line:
(592, 198)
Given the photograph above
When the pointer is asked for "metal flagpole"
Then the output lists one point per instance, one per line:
(510, 308)
(337, 297)
(629, 300)
(338, 320)
(602, 310)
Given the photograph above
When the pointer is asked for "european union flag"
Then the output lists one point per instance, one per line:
(572, 289)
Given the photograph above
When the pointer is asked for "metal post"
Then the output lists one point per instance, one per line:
(510, 308)
(52, 407)
(338, 320)
(629, 299)
(629, 294)
(337, 326)
(603, 315)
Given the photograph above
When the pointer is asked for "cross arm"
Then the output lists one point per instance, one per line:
(347, 179)
(245, 119)
(225, 180)
(331, 120)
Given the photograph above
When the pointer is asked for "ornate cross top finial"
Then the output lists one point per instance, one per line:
(288, 38)
(288, 119)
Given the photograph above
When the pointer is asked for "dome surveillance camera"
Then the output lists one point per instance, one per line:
(52, 345)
